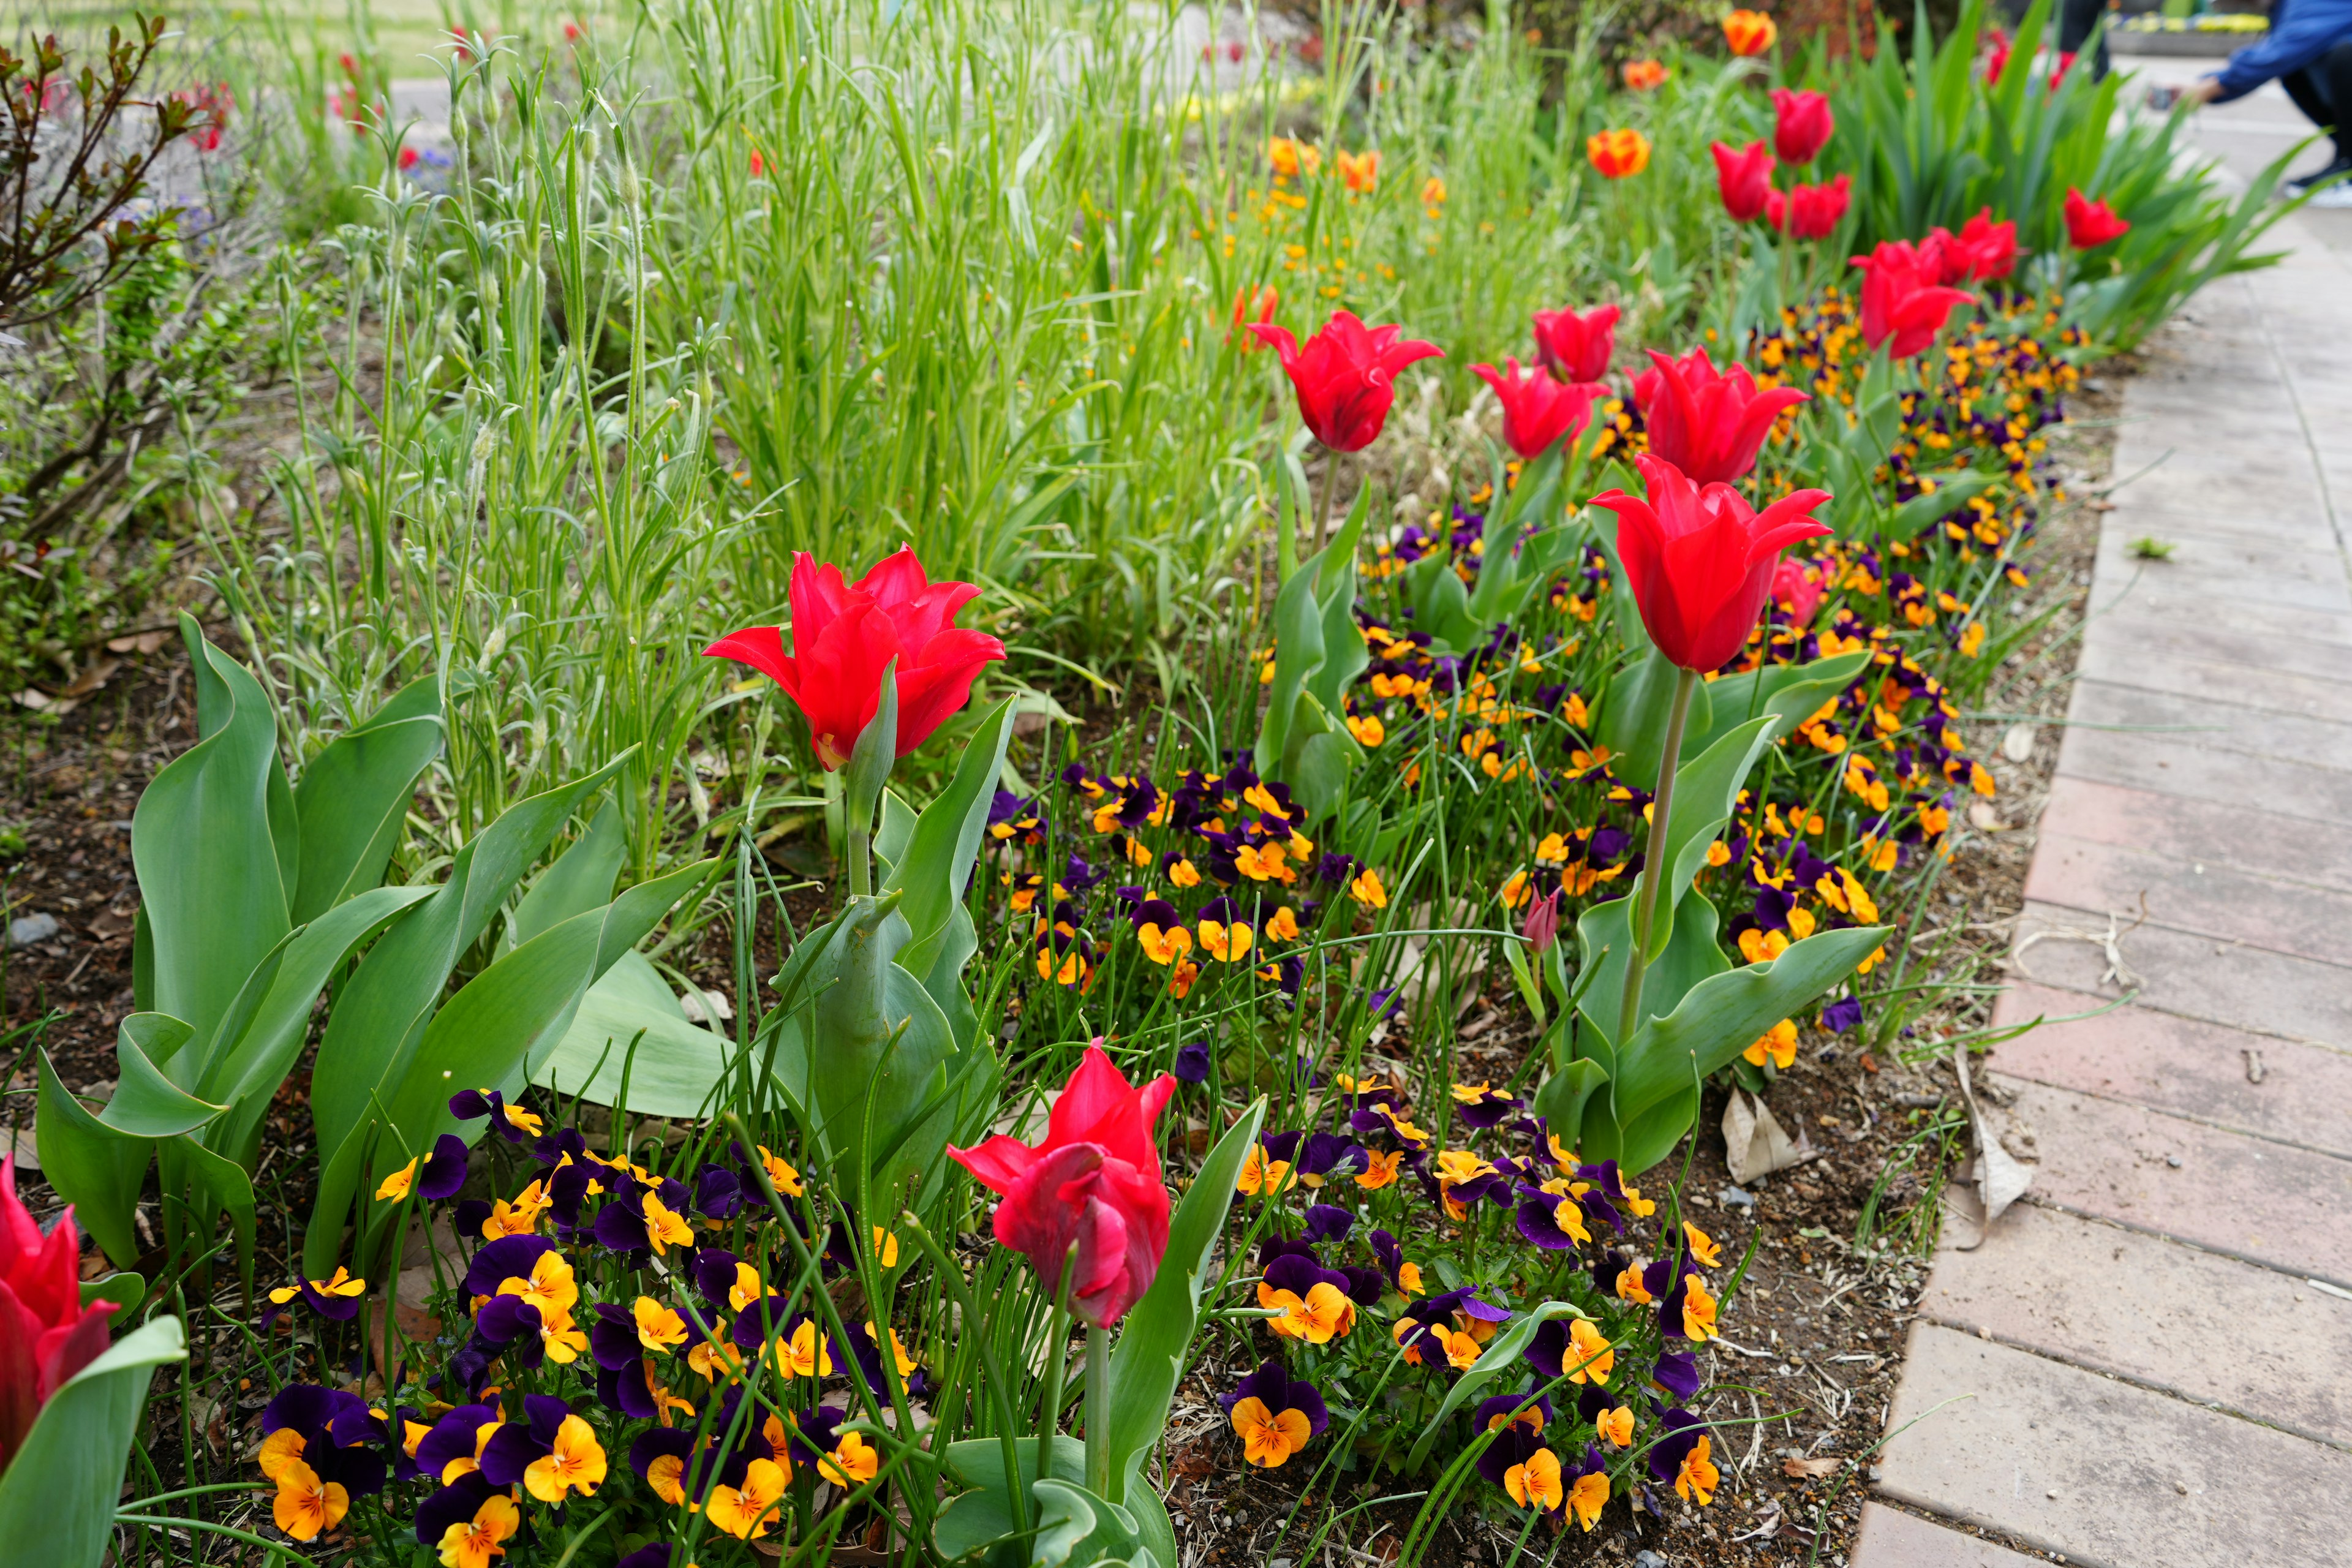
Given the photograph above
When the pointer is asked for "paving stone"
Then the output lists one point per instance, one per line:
(1893, 1539)
(2214, 901)
(2288, 495)
(2270, 1203)
(2128, 660)
(2179, 1065)
(2117, 1301)
(2265, 648)
(2259, 546)
(2198, 832)
(2269, 785)
(2166, 723)
(2110, 1475)
(2193, 976)
(2217, 570)
(2137, 597)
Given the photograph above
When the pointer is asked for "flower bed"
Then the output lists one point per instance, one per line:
(1645, 723)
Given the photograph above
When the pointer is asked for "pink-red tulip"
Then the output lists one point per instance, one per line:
(1995, 55)
(2058, 72)
(1902, 303)
(46, 1333)
(1801, 123)
(843, 636)
(1700, 560)
(1745, 178)
(2089, 224)
(1809, 212)
(1981, 251)
(1094, 1180)
(1708, 423)
(1538, 411)
(1345, 376)
(1797, 588)
(1574, 347)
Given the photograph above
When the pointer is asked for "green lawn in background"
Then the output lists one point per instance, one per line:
(406, 31)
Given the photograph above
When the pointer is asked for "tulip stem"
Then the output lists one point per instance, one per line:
(1098, 1411)
(1330, 494)
(1057, 1359)
(1654, 869)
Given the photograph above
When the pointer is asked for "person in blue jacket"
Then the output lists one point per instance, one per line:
(2308, 51)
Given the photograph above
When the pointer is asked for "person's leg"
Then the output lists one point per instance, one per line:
(2075, 20)
(2334, 70)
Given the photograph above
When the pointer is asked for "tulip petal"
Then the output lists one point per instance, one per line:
(998, 1163)
(940, 682)
(762, 647)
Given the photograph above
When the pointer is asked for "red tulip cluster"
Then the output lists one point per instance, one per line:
(1094, 1181)
(844, 638)
(1708, 423)
(2089, 224)
(1982, 250)
(1902, 301)
(1345, 376)
(1809, 212)
(46, 1335)
(1701, 560)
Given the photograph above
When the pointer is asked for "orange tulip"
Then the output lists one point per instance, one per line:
(1643, 75)
(1360, 171)
(1750, 32)
(1618, 153)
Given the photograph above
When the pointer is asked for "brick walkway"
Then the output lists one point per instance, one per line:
(2152, 1355)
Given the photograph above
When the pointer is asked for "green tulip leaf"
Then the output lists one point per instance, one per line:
(93, 1167)
(57, 1496)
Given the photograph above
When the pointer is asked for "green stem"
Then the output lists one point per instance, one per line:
(1331, 493)
(1654, 871)
(1058, 1357)
(1098, 1410)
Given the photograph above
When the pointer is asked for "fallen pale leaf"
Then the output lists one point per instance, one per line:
(1810, 1469)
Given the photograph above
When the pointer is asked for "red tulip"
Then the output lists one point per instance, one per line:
(843, 636)
(1995, 55)
(1981, 252)
(1901, 299)
(2089, 224)
(1700, 559)
(46, 1333)
(1345, 376)
(2058, 72)
(1801, 125)
(1536, 410)
(1745, 178)
(1095, 1179)
(1707, 424)
(1809, 212)
(1574, 347)
(1797, 588)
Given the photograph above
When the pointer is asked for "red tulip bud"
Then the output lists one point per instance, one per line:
(1700, 560)
(1801, 125)
(1901, 299)
(1094, 1181)
(1574, 347)
(1345, 376)
(2089, 224)
(46, 1333)
(1538, 411)
(1708, 423)
(1745, 178)
(844, 638)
